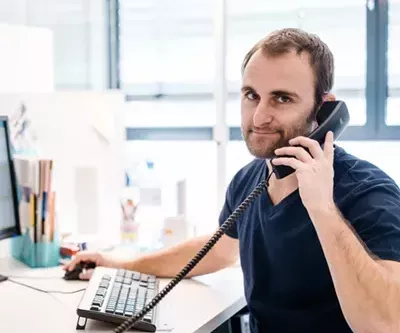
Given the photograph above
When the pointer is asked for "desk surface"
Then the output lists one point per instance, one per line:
(197, 305)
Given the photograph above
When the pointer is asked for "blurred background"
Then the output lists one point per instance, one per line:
(171, 70)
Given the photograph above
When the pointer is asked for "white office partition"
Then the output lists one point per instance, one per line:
(84, 133)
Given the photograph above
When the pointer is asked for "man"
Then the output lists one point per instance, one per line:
(320, 248)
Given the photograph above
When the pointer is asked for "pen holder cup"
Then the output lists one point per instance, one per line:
(42, 254)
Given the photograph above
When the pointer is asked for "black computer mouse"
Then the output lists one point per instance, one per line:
(74, 274)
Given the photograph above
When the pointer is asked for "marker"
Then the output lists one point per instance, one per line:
(82, 246)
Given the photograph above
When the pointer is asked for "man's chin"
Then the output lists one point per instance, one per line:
(264, 150)
(261, 152)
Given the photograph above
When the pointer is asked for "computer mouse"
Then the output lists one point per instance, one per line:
(74, 274)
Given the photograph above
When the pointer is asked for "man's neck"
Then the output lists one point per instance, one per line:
(279, 189)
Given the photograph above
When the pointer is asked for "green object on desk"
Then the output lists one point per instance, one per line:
(42, 254)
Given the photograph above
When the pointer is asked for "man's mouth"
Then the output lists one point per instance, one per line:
(263, 132)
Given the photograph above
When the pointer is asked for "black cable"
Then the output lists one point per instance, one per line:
(227, 225)
(47, 291)
(33, 277)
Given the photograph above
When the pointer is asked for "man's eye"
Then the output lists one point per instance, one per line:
(251, 96)
(283, 99)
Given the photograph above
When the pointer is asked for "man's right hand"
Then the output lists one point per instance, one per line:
(98, 258)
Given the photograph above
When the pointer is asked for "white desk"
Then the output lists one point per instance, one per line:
(197, 305)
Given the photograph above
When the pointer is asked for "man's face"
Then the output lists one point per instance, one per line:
(277, 101)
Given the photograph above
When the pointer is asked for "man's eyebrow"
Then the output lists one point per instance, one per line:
(284, 92)
(247, 88)
(278, 92)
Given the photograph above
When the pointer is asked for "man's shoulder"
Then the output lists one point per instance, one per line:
(252, 168)
(353, 173)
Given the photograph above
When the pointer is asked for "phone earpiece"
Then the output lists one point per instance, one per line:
(332, 116)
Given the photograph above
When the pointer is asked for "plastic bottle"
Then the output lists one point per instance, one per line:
(129, 222)
(150, 211)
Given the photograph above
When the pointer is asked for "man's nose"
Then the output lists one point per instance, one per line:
(262, 116)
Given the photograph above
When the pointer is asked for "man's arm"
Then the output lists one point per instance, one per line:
(168, 262)
(368, 289)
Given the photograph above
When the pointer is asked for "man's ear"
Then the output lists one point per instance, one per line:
(328, 97)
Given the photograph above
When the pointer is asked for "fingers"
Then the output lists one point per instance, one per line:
(328, 146)
(81, 256)
(312, 145)
(299, 152)
(86, 274)
(289, 161)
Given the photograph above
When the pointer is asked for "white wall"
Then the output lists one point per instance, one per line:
(80, 37)
(26, 60)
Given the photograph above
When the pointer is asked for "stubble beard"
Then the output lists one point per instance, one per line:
(264, 147)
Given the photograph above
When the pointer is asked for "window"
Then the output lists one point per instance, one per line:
(167, 113)
(166, 47)
(249, 21)
(393, 102)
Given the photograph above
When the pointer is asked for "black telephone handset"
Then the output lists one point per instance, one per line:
(332, 116)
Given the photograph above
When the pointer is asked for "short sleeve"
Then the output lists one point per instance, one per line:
(374, 212)
(227, 211)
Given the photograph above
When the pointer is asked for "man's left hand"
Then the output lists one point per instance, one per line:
(314, 170)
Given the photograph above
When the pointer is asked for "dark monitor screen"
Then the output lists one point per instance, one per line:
(9, 218)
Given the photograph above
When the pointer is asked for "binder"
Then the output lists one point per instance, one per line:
(38, 245)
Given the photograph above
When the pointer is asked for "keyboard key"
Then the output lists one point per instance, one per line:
(119, 312)
(144, 277)
(111, 306)
(94, 308)
(101, 291)
(104, 284)
(107, 277)
(147, 317)
(97, 302)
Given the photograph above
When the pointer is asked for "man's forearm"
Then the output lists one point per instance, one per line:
(368, 293)
(170, 261)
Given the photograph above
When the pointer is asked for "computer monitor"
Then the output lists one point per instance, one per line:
(9, 218)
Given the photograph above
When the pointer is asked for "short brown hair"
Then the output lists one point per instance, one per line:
(283, 41)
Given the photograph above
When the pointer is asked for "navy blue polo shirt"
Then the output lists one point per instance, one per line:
(288, 286)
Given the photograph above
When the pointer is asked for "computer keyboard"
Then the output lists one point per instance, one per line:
(114, 295)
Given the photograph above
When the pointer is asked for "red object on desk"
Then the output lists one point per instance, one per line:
(69, 250)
